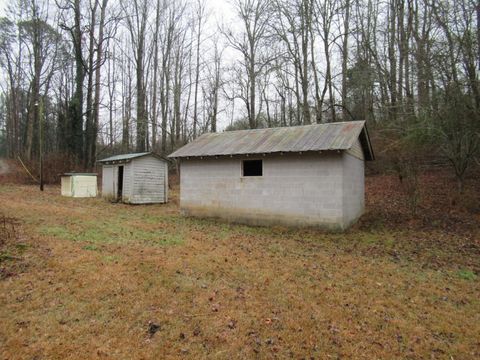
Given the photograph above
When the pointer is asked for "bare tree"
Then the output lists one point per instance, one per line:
(253, 15)
(96, 60)
(72, 8)
(199, 22)
(154, 102)
(326, 12)
(214, 84)
(11, 64)
(40, 41)
(294, 29)
(136, 16)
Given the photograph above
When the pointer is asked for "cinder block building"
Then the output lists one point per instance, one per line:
(309, 175)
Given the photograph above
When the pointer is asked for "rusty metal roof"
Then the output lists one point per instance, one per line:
(318, 137)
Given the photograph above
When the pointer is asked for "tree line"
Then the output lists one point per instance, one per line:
(104, 76)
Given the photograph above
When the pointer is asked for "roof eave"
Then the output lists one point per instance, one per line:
(256, 154)
(366, 144)
(107, 161)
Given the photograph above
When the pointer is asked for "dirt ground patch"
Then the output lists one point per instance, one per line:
(113, 281)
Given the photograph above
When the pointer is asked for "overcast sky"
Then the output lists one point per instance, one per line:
(221, 9)
(219, 12)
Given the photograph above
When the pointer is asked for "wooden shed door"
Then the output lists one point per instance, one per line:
(120, 183)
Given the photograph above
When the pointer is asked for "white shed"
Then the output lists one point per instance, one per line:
(139, 178)
(79, 184)
(309, 175)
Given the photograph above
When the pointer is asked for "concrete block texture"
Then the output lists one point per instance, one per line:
(295, 190)
(353, 189)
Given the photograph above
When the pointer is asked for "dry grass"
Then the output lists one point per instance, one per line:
(97, 278)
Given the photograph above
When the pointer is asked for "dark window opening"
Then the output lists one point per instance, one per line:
(252, 168)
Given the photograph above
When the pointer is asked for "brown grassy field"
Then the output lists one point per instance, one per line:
(87, 279)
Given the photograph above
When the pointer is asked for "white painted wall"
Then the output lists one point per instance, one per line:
(84, 186)
(148, 181)
(298, 190)
(66, 185)
(145, 181)
(79, 186)
(109, 181)
(127, 181)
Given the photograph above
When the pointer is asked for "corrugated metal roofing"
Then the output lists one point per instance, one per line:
(127, 157)
(318, 137)
(79, 174)
(124, 157)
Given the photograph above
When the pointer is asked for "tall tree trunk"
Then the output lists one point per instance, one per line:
(33, 113)
(141, 113)
(200, 14)
(137, 24)
(392, 59)
(164, 99)
(346, 33)
(177, 92)
(96, 101)
(155, 78)
(127, 105)
(90, 87)
(111, 79)
(252, 119)
(75, 109)
(306, 18)
(318, 102)
(216, 88)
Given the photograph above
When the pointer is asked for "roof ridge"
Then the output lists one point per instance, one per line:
(129, 156)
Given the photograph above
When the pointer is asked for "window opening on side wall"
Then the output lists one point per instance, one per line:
(252, 168)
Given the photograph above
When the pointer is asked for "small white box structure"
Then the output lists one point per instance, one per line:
(79, 185)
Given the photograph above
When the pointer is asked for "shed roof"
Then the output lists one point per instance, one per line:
(79, 174)
(318, 137)
(128, 157)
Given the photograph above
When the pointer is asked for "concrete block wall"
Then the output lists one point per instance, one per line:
(353, 189)
(298, 190)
